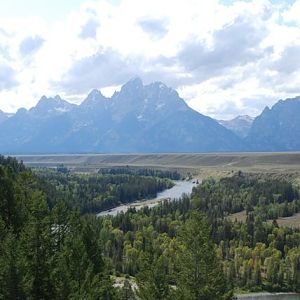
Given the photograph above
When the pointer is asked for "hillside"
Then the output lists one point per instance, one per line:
(278, 128)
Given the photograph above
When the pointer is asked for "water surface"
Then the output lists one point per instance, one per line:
(180, 188)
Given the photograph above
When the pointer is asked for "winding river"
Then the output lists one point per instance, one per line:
(180, 187)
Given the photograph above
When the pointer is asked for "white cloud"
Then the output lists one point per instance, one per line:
(223, 59)
(292, 14)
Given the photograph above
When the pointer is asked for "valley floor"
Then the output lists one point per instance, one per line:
(206, 164)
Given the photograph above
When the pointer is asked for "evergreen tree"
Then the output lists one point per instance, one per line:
(10, 276)
(152, 281)
(201, 275)
(36, 250)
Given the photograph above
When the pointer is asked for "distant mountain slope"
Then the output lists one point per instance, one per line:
(278, 128)
(239, 125)
(139, 118)
(3, 116)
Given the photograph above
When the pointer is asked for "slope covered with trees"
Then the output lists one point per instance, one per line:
(255, 255)
(50, 251)
(92, 193)
(46, 254)
(188, 249)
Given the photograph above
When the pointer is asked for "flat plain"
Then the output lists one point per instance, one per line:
(203, 164)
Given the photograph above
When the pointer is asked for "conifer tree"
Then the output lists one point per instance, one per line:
(201, 275)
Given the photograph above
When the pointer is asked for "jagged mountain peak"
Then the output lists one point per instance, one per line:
(240, 125)
(277, 128)
(244, 118)
(134, 81)
(94, 94)
(133, 87)
(147, 102)
(51, 105)
(50, 100)
(55, 99)
(145, 118)
(140, 118)
(93, 99)
(266, 109)
(288, 103)
(160, 87)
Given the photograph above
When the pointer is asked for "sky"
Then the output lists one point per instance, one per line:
(224, 57)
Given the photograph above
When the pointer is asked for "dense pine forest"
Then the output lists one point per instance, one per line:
(141, 172)
(53, 247)
(92, 193)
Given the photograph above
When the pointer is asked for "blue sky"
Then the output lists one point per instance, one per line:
(224, 57)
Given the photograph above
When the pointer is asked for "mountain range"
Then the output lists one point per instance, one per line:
(143, 118)
(240, 125)
(278, 128)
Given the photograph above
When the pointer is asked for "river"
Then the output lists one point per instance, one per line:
(265, 296)
(175, 192)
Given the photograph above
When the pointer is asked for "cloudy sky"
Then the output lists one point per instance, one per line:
(224, 57)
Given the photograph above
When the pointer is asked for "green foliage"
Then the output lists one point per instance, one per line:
(174, 175)
(152, 280)
(48, 250)
(10, 275)
(267, 197)
(92, 193)
(256, 255)
(46, 254)
(200, 271)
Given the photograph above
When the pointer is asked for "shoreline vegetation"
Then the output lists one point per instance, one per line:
(105, 190)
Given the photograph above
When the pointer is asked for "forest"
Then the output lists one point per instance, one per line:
(174, 175)
(93, 193)
(53, 247)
